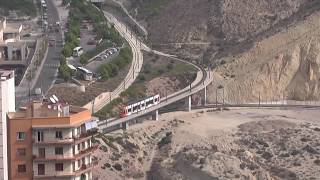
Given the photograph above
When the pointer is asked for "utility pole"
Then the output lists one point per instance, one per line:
(223, 96)
(216, 97)
(259, 99)
(166, 94)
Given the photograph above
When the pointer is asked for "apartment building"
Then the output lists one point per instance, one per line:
(51, 140)
(7, 104)
(13, 50)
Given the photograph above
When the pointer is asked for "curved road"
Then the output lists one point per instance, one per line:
(134, 70)
(203, 79)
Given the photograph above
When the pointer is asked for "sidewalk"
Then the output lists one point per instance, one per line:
(23, 88)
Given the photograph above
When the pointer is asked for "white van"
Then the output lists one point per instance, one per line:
(85, 73)
(77, 51)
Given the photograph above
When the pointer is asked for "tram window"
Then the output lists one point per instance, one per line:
(148, 103)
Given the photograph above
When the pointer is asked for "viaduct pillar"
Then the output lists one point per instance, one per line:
(155, 116)
(189, 103)
(205, 95)
(125, 125)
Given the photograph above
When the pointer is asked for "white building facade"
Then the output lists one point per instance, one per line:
(7, 104)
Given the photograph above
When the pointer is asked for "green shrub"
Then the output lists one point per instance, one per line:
(111, 69)
(160, 71)
(83, 59)
(67, 50)
(24, 7)
(141, 77)
(65, 72)
(170, 66)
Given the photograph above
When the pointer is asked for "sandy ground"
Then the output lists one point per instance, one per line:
(207, 144)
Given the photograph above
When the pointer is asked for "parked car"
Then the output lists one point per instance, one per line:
(52, 42)
(37, 91)
(99, 58)
(27, 35)
(91, 42)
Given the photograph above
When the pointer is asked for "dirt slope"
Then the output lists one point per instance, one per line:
(225, 24)
(238, 144)
(284, 65)
(267, 47)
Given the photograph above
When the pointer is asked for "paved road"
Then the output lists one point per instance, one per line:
(49, 71)
(50, 67)
(134, 70)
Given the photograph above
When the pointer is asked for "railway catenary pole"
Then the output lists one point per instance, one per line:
(223, 96)
(216, 97)
(259, 99)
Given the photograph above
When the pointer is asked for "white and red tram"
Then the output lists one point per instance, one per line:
(128, 110)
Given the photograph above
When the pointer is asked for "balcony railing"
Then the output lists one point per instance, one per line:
(86, 167)
(86, 134)
(86, 151)
(54, 141)
(50, 158)
(54, 176)
(80, 155)
(83, 169)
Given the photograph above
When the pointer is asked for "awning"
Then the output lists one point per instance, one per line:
(87, 125)
(91, 125)
(94, 124)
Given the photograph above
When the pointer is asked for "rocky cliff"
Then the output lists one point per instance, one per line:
(266, 48)
(283, 66)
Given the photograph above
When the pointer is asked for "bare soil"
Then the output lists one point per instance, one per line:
(236, 144)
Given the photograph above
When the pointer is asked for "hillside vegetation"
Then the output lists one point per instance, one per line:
(266, 47)
(24, 7)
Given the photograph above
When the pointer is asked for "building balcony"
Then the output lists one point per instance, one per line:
(83, 169)
(74, 140)
(85, 152)
(53, 158)
(86, 134)
(80, 155)
(56, 141)
(56, 175)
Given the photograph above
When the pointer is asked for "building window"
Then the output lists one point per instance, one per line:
(40, 136)
(83, 145)
(59, 150)
(79, 162)
(89, 145)
(78, 147)
(42, 152)
(21, 136)
(22, 168)
(59, 134)
(59, 167)
(41, 169)
(21, 151)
